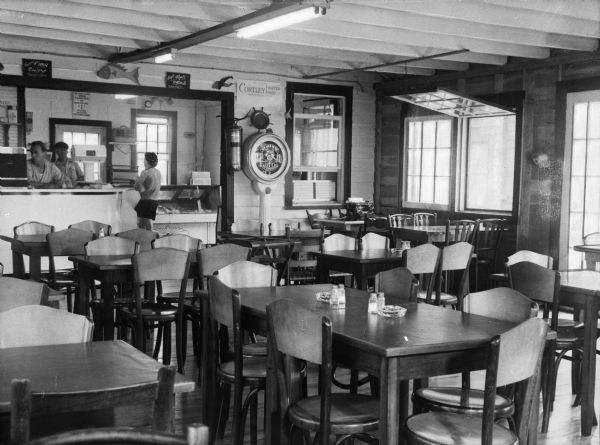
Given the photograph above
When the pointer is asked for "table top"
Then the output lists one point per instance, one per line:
(362, 256)
(30, 240)
(410, 335)
(334, 221)
(294, 234)
(593, 248)
(79, 367)
(103, 262)
(580, 281)
(426, 229)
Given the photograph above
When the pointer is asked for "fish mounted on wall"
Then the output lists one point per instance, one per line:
(115, 71)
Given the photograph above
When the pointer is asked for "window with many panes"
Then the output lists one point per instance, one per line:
(153, 135)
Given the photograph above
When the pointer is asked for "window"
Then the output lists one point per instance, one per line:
(153, 135)
(319, 139)
(428, 161)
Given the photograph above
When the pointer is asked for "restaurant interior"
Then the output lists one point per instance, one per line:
(311, 221)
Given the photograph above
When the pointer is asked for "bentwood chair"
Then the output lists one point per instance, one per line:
(513, 357)
(32, 228)
(60, 244)
(489, 234)
(15, 292)
(424, 219)
(424, 261)
(300, 335)
(522, 255)
(232, 368)
(36, 325)
(400, 220)
(543, 286)
(399, 285)
(151, 265)
(501, 303)
(302, 268)
(338, 241)
(33, 409)
(460, 230)
(454, 274)
(92, 226)
(372, 240)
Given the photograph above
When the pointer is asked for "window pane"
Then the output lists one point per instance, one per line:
(427, 189)
(141, 132)
(162, 147)
(428, 162)
(414, 162)
(442, 190)
(413, 189)
(594, 116)
(444, 131)
(580, 120)
(78, 138)
(414, 134)
(593, 160)
(578, 158)
(162, 133)
(442, 162)
(151, 146)
(577, 194)
(429, 134)
(92, 139)
(592, 198)
(68, 138)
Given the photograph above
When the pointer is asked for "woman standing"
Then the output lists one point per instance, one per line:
(148, 184)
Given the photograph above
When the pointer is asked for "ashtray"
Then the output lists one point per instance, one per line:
(392, 311)
(323, 297)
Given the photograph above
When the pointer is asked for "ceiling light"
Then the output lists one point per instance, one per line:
(165, 57)
(278, 22)
(125, 96)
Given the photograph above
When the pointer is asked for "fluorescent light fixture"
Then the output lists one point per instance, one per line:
(282, 21)
(165, 57)
(125, 96)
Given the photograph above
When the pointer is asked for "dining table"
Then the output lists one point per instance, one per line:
(34, 246)
(580, 289)
(361, 263)
(592, 255)
(428, 341)
(341, 224)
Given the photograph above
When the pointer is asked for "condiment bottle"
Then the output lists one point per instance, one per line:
(380, 300)
(341, 296)
(101, 232)
(372, 303)
(335, 295)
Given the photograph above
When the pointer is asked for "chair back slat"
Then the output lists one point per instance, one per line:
(424, 219)
(398, 284)
(373, 240)
(32, 228)
(533, 257)
(460, 230)
(15, 292)
(41, 325)
(502, 303)
(92, 226)
(338, 241)
(400, 220)
(489, 234)
(160, 264)
(216, 257)
(111, 245)
(143, 237)
(178, 241)
(247, 274)
(457, 256)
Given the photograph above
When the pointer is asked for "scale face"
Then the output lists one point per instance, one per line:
(266, 158)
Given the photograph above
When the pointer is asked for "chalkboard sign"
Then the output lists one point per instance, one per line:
(37, 68)
(178, 81)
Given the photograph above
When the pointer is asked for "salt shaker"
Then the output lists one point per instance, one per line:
(380, 300)
(341, 296)
(101, 232)
(335, 295)
(372, 303)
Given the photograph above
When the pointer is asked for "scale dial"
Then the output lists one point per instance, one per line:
(266, 158)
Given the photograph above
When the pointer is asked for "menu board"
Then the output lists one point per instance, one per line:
(178, 81)
(37, 68)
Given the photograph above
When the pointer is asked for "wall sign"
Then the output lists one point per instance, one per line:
(177, 81)
(259, 93)
(81, 104)
(37, 68)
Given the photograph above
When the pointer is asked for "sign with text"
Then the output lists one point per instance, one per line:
(81, 104)
(177, 81)
(37, 68)
(258, 93)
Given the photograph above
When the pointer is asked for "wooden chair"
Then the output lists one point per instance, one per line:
(488, 236)
(501, 303)
(178, 241)
(400, 220)
(424, 219)
(15, 293)
(373, 240)
(239, 372)
(65, 243)
(460, 230)
(454, 273)
(514, 357)
(591, 239)
(339, 241)
(35, 325)
(92, 226)
(399, 285)
(29, 408)
(151, 265)
(312, 217)
(302, 268)
(522, 255)
(424, 261)
(301, 335)
(32, 228)
(377, 223)
(142, 236)
(197, 434)
(543, 286)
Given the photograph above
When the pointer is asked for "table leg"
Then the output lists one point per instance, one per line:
(35, 266)
(389, 398)
(108, 316)
(18, 264)
(82, 306)
(363, 279)
(589, 366)
(322, 271)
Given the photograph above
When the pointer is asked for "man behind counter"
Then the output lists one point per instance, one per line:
(41, 173)
(70, 169)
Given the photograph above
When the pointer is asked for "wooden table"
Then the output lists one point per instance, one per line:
(79, 367)
(341, 224)
(580, 289)
(421, 234)
(34, 246)
(361, 263)
(429, 341)
(108, 269)
(592, 255)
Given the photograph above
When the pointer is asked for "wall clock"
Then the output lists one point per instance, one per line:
(266, 158)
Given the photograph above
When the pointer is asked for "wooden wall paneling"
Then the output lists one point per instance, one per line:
(389, 157)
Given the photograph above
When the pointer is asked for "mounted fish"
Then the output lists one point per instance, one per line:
(115, 71)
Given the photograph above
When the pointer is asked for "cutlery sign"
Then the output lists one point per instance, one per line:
(177, 81)
(37, 68)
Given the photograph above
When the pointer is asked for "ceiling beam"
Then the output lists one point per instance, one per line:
(581, 10)
(275, 10)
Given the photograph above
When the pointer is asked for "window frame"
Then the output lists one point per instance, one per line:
(344, 92)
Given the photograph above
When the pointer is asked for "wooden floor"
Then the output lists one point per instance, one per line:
(564, 422)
